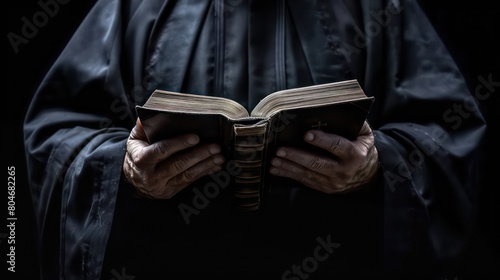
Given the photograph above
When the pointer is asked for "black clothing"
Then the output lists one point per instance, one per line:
(426, 126)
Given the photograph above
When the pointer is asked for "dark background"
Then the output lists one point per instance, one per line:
(471, 31)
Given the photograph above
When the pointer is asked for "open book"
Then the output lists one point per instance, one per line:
(250, 139)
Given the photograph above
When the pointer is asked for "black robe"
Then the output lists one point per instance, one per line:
(415, 219)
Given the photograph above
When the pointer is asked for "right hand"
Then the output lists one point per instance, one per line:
(158, 171)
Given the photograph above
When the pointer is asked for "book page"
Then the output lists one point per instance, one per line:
(195, 104)
(316, 95)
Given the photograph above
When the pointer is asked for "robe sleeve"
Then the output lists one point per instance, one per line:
(75, 133)
(428, 131)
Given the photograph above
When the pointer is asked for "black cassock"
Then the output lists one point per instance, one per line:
(415, 219)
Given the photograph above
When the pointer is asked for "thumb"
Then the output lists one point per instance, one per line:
(138, 132)
(139, 123)
(365, 129)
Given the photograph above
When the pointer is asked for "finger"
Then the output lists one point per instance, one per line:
(320, 164)
(172, 186)
(335, 144)
(164, 149)
(205, 167)
(286, 168)
(181, 162)
(309, 178)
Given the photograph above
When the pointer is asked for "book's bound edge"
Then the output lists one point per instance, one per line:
(249, 142)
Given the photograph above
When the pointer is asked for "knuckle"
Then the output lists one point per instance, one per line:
(342, 185)
(154, 187)
(145, 190)
(163, 148)
(180, 163)
(188, 176)
(138, 159)
(317, 163)
(335, 145)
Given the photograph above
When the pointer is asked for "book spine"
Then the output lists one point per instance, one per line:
(248, 154)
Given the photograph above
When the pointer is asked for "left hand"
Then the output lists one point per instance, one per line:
(345, 166)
